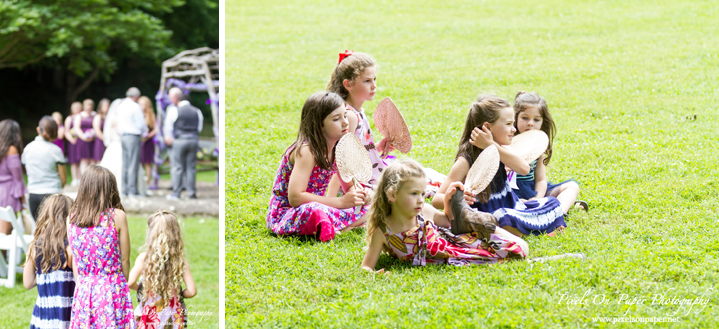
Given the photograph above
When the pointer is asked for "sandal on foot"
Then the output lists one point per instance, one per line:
(583, 204)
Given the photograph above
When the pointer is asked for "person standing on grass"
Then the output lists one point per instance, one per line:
(160, 295)
(97, 126)
(147, 157)
(71, 138)
(49, 266)
(60, 141)
(45, 165)
(85, 134)
(175, 95)
(186, 128)
(400, 225)
(100, 244)
(131, 126)
(12, 186)
(298, 205)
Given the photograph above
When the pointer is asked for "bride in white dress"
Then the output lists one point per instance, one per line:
(112, 159)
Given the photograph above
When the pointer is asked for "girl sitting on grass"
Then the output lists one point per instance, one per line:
(49, 265)
(298, 205)
(402, 227)
(163, 268)
(531, 112)
(491, 122)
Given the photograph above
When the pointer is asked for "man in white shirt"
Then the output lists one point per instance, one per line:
(131, 125)
(186, 124)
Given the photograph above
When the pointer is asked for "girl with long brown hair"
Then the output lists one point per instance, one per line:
(400, 225)
(490, 122)
(163, 268)
(298, 205)
(49, 265)
(12, 185)
(100, 244)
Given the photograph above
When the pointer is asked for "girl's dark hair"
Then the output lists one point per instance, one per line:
(97, 193)
(317, 107)
(485, 109)
(525, 100)
(48, 128)
(349, 68)
(51, 233)
(9, 136)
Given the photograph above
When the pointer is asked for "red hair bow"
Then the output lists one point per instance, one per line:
(344, 55)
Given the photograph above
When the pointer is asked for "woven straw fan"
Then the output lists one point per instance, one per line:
(530, 145)
(353, 163)
(483, 170)
(390, 123)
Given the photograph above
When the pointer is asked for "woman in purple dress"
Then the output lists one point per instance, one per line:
(85, 135)
(12, 187)
(97, 125)
(71, 150)
(147, 157)
(60, 141)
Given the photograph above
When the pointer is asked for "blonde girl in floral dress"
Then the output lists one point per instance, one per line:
(400, 226)
(298, 205)
(100, 244)
(163, 268)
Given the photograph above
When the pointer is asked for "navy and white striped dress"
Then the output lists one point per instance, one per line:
(54, 301)
(532, 217)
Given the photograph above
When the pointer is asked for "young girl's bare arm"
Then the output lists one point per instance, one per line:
(300, 177)
(68, 132)
(457, 173)
(28, 274)
(136, 271)
(96, 126)
(124, 237)
(540, 178)
(512, 160)
(76, 127)
(375, 249)
(190, 289)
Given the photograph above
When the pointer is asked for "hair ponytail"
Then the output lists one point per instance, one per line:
(48, 128)
(348, 68)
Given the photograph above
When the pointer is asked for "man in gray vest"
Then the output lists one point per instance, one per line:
(184, 141)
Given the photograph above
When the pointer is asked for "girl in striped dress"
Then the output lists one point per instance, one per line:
(491, 122)
(49, 265)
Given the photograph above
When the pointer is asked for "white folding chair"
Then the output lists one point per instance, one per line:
(15, 243)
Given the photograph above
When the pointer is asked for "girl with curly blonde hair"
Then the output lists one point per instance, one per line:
(163, 268)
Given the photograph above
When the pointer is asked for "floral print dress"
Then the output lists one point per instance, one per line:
(102, 298)
(155, 313)
(428, 244)
(283, 219)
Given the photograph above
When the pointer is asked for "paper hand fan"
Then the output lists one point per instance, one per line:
(483, 170)
(531, 144)
(353, 163)
(391, 125)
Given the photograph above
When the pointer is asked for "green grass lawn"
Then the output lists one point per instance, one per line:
(623, 81)
(201, 250)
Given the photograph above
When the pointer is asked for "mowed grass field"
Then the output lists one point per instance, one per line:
(632, 87)
(201, 239)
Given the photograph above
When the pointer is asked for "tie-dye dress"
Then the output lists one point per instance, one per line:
(428, 244)
(102, 298)
(283, 219)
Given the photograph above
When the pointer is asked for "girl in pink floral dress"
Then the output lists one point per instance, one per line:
(397, 227)
(298, 205)
(160, 295)
(100, 246)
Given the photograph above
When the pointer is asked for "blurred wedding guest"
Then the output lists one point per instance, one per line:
(148, 143)
(186, 127)
(131, 126)
(97, 125)
(71, 138)
(60, 140)
(44, 163)
(174, 94)
(85, 134)
(11, 184)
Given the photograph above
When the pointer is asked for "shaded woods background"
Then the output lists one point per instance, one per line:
(53, 54)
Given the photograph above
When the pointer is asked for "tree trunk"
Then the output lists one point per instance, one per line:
(71, 91)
